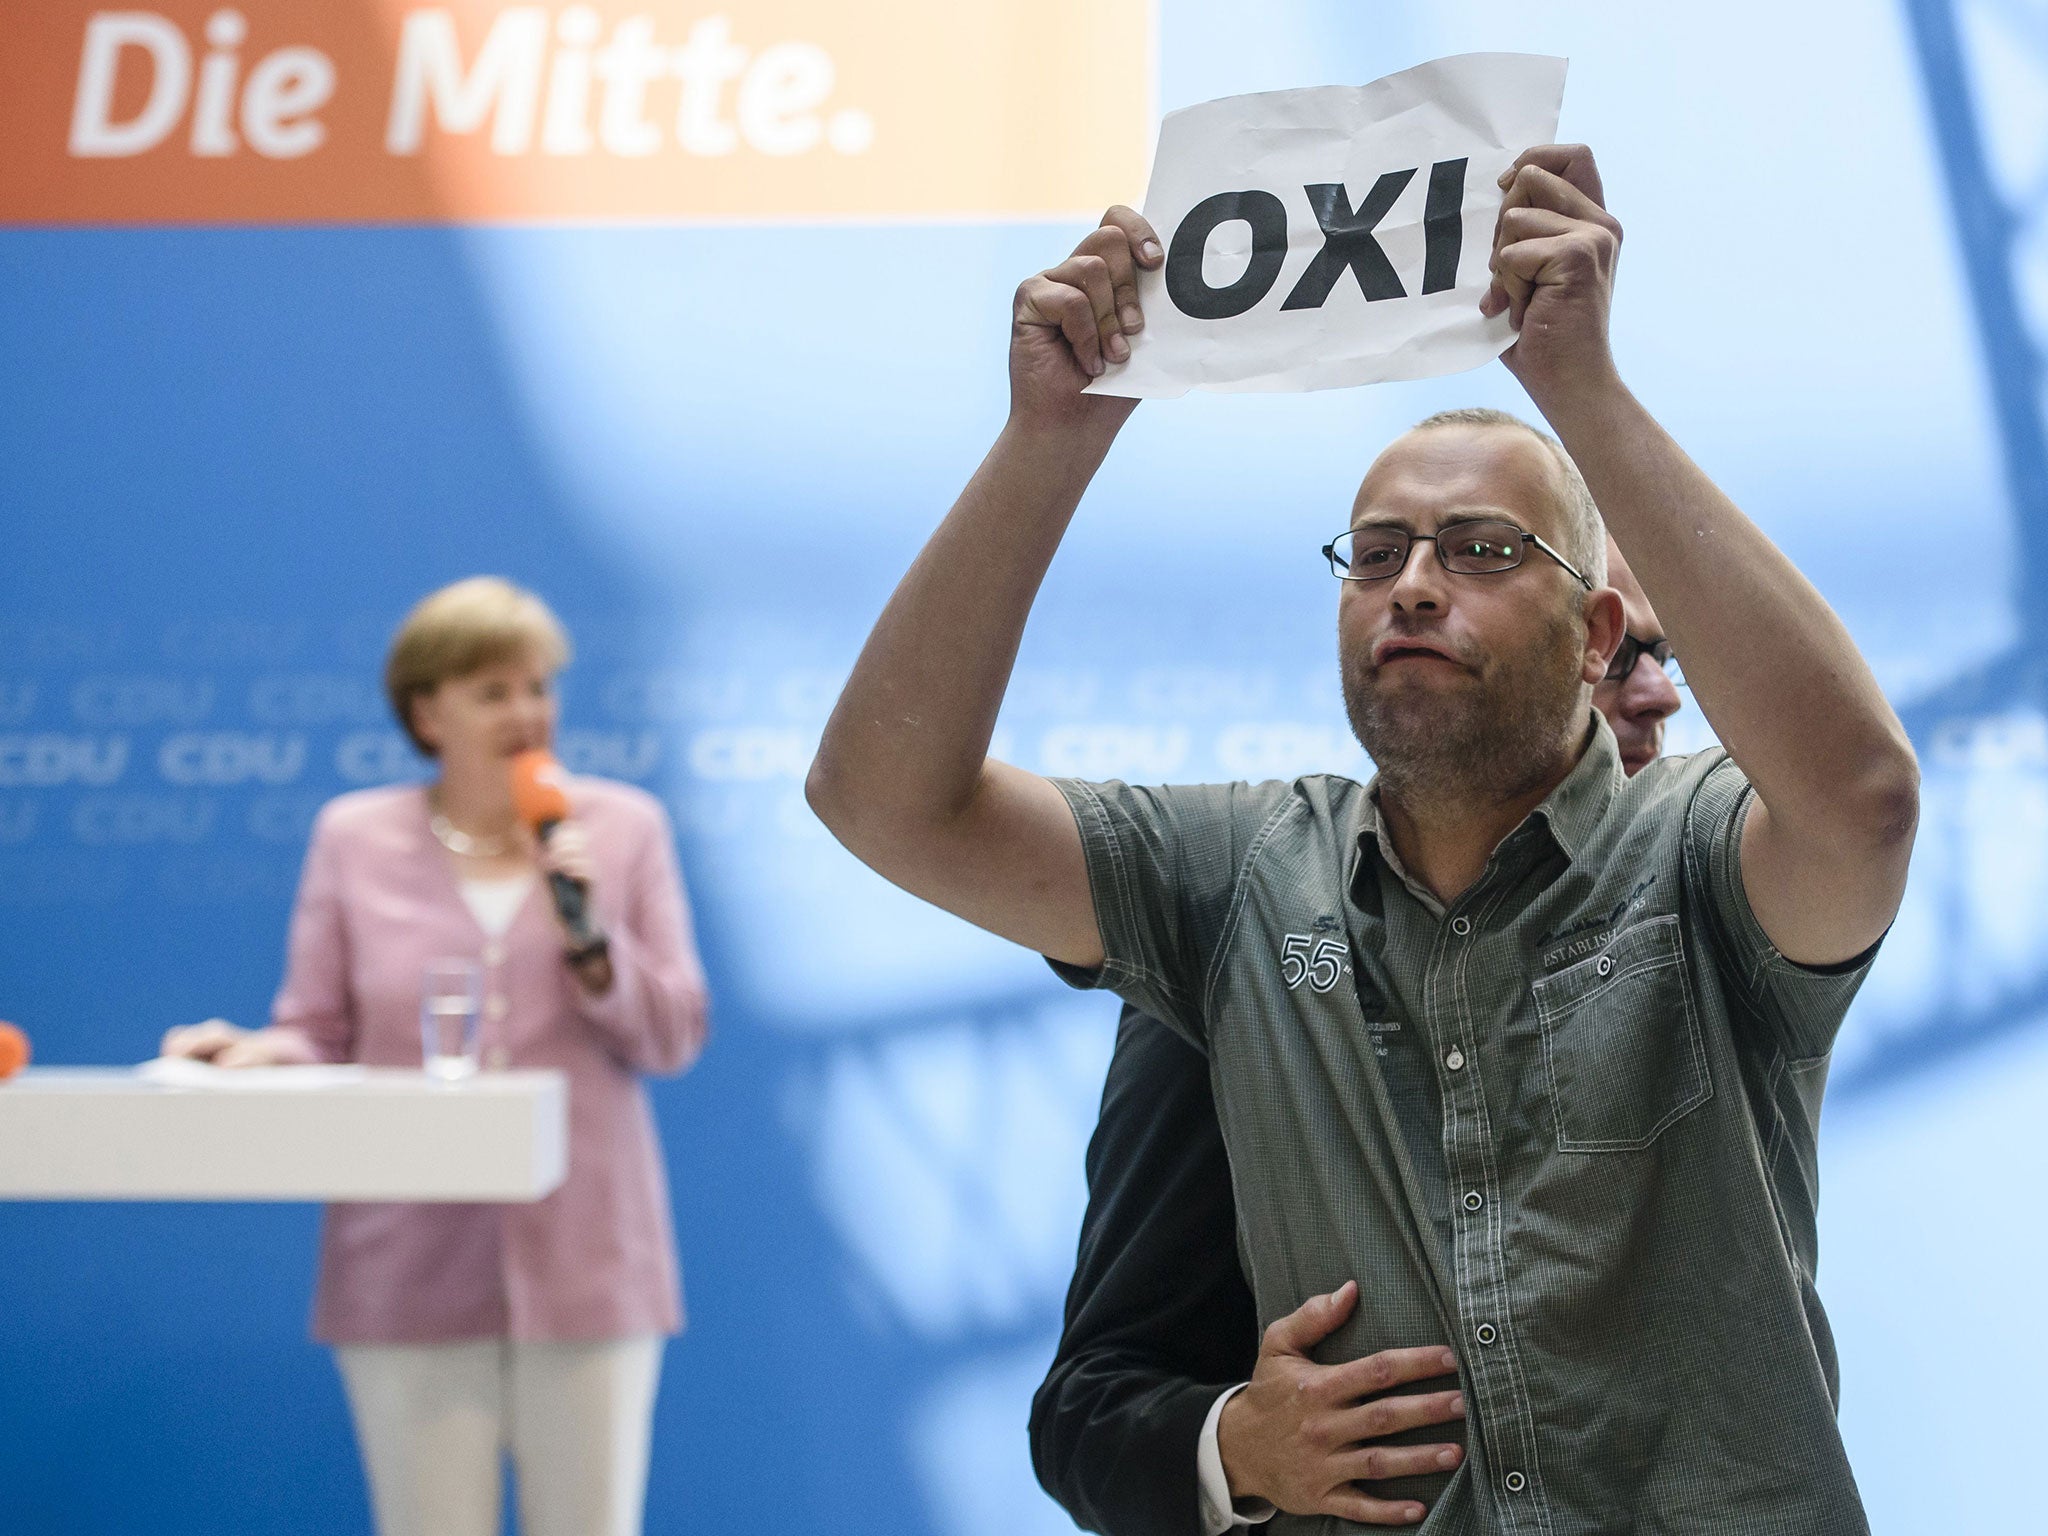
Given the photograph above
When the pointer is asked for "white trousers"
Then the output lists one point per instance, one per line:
(433, 1421)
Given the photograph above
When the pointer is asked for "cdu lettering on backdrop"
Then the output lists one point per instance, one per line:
(1336, 235)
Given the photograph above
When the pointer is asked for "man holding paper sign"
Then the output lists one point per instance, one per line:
(1530, 1050)
(1161, 1334)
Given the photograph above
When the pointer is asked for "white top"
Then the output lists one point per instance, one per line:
(496, 901)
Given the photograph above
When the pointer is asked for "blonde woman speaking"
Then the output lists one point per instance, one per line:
(466, 1332)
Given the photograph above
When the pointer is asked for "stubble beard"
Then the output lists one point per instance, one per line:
(1495, 738)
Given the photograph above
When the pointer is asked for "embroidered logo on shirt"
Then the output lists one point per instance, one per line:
(1322, 963)
(1566, 945)
(1377, 1030)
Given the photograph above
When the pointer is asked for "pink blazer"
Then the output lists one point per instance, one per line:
(596, 1259)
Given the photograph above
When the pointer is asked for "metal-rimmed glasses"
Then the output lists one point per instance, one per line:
(1481, 546)
(1632, 650)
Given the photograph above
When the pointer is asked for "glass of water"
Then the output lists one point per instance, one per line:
(451, 1000)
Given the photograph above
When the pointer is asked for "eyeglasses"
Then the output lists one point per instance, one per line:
(1632, 650)
(1479, 547)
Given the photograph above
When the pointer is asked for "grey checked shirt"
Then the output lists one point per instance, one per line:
(1565, 1124)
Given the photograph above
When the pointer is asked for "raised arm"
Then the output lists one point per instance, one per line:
(903, 777)
(1825, 848)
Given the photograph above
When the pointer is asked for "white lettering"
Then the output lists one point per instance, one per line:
(704, 63)
(750, 752)
(230, 757)
(651, 696)
(282, 90)
(46, 760)
(314, 699)
(777, 96)
(504, 83)
(212, 133)
(629, 64)
(103, 819)
(1107, 751)
(615, 754)
(1192, 690)
(93, 131)
(139, 700)
(375, 757)
(2016, 740)
(1258, 749)
(566, 127)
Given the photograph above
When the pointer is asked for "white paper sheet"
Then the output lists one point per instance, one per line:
(1481, 108)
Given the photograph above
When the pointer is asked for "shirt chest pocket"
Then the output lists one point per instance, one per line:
(1621, 1042)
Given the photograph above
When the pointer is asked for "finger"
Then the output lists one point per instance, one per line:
(200, 1041)
(1144, 240)
(1390, 1415)
(1048, 305)
(1534, 187)
(1529, 223)
(1311, 1322)
(1090, 273)
(1114, 247)
(1361, 1508)
(1391, 1368)
(1573, 162)
(1518, 226)
(246, 1052)
(1528, 264)
(1377, 1463)
(1508, 290)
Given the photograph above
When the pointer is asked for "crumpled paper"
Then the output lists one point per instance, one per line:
(1482, 108)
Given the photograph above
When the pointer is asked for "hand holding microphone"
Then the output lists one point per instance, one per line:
(542, 801)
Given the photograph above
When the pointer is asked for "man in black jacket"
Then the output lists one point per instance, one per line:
(1160, 1324)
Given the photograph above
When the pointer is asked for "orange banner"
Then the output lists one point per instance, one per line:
(384, 111)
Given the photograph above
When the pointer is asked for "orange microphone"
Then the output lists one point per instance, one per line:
(541, 798)
(14, 1051)
(539, 794)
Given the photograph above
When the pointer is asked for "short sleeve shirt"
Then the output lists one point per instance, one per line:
(1592, 1167)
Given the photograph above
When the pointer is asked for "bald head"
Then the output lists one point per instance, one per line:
(1580, 535)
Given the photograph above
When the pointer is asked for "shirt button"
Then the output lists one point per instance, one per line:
(1474, 1200)
(496, 1007)
(1454, 1059)
(1606, 964)
(1461, 926)
(494, 953)
(1514, 1482)
(1484, 1333)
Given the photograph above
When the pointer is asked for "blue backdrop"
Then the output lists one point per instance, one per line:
(229, 460)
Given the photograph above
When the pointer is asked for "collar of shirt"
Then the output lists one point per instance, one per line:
(1569, 813)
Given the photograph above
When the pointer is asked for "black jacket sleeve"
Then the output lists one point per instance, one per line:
(1159, 1318)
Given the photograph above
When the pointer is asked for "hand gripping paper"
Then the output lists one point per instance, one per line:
(1333, 236)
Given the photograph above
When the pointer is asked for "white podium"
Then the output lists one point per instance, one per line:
(180, 1131)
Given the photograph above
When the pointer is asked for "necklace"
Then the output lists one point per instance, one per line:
(457, 841)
